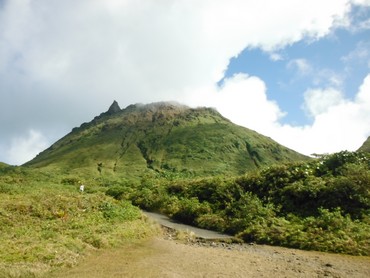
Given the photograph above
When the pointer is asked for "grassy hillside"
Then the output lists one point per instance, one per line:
(162, 139)
(2, 165)
(46, 223)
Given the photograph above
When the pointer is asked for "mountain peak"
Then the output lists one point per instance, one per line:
(114, 108)
(163, 138)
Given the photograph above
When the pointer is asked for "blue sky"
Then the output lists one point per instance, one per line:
(289, 72)
(297, 71)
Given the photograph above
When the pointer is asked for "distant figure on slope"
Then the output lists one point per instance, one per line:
(82, 188)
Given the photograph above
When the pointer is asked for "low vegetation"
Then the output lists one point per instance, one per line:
(46, 223)
(320, 205)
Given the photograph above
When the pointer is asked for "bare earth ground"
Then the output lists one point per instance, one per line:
(164, 257)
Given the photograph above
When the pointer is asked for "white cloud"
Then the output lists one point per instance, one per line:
(361, 54)
(242, 99)
(276, 57)
(338, 123)
(62, 61)
(361, 2)
(358, 20)
(302, 66)
(320, 76)
(364, 25)
(96, 46)
(25, 148)
(325, 77)
(318, 101)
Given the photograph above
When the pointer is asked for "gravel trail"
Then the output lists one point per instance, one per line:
(160, 257)
(171, 257)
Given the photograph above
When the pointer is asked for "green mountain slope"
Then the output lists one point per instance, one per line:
(365, 146)
(2, 165)
(163, 138)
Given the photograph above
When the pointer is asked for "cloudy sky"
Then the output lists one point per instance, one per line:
(296, 71)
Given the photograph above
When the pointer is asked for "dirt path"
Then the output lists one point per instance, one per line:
(165, 221)
(160, 257)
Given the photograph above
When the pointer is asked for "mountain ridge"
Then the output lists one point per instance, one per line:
(163, 137)
(365, 146)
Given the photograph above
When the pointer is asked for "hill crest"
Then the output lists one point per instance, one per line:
(365, 146)
(162, 138)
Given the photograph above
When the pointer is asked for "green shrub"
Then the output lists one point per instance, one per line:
(190, 210)
(118, 192)
(71, 181)
(333, 232)
(211, 221)
(248, 208)
(322, 204)
(119, 211)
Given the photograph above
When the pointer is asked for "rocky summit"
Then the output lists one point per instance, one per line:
(114, 108)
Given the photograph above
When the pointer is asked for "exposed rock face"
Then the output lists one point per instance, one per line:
(114, 108)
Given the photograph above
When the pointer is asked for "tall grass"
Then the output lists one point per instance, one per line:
(46, 223)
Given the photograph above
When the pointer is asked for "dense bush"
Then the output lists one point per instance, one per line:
(190, 209)
(119, 211)
(322, 204)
